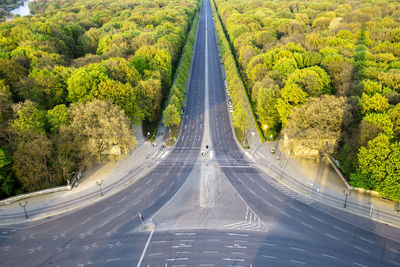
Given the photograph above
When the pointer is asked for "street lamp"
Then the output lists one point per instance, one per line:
(347, 193)
(24, 205)
(99, 184)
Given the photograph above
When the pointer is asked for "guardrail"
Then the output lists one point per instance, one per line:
(72, 184)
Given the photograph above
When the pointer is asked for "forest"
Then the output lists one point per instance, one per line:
(325, 77)
(75, 78)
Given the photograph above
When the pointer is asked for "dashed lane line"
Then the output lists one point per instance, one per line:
(359, 264)
(268, 256)
(364, 250)
(340, 229)
(331, 236)
(367, 240)
(317, 219)
(86, 221)
(298, 249)
(309, 226)
(394, 262)
(298, 262)
(329, 256)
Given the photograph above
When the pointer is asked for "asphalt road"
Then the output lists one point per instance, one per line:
(246, 219)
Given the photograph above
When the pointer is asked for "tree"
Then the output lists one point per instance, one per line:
(372, 162)
(313, 80)
(150, 92)
(7, 179)
(241, 117)
(28, 119)
(266, 109)
(318, 124)
(84, 81)
(377, 103)
(56, 117)
(31, 163)
(394, 115)
(102, 130)
(171, 116)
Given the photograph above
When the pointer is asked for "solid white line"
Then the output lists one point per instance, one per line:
(367, 240)
(329, 256)
(145, 248)
(359, 264)
(366, 251)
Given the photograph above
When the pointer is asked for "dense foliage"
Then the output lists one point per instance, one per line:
(293, 53)
(76, 76)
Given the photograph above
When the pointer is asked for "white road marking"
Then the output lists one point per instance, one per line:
(159, 241)
(101, 225)
(137, 202)
(122, 199)
(145, 249)
(137, 189)
(309, 226)
(229, 259)
(331, 236)
(166, 153)
(238, 253)
(177, 259)
(277, 198)
(299, 262)
(359, 264)
(295, 208)
(241, 241)
(116, 259)
(207, 264)
(394, 262)
(233, 234)
(267, 203)
(265, 190)
(284, 213)
(154, 254)
(210, 251)
(367, 240)
(340, 229)
(159, 182)
(252, 191)
(298, 249)
(150, 192)
(185, 233)
(364, 250)
(318, 219)
(329, 256)
(395, 251)
(267, 244)
(252, 179)
(182, 252)
(148, 181)
(214, 240)
(267, 256)
(86, 221)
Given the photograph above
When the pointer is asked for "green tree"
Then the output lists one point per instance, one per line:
(377, 103)
(28, 119)
(56, 117)
(171, 116)
(102, 130)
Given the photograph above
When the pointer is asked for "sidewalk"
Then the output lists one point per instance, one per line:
(320, 182)
(115, 177)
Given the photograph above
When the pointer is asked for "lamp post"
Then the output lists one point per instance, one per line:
(99, 184)
(24, 205)
(347, 193)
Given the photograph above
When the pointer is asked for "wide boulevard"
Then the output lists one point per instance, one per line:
(215, 209)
